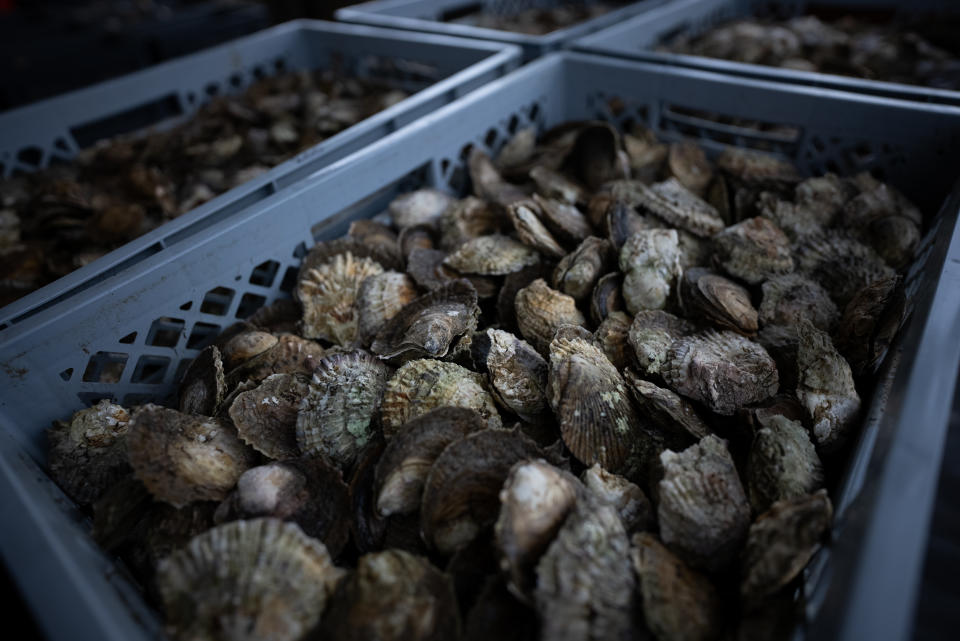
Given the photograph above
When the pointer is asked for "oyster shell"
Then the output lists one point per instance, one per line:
(594, 157)
(326, 251)
(422, 385)
(183, 458)
(374, 234)
(825, 388)
(876, 217)
(244, 346)
(468, 218)
(223, 586)
(758, 169)
(541, 311)
(423, 206)
(681, 208)
(871, 320)
(203, 386)
(306, 491)
(513, 283)
(392, 596)
(703, 512)
(675, 417)
(438, 324)
(535, 499)
(789, 298)
(622, 222)
(426, 267)
(612, 336)
(403, 468)
(651, 335)
(753, 250)
(564, 220)
(650, 263)
(517, 373)
(291, 355)
(460, 494)
(525, 216)
(519, 149)
(415, 237)
(781, 542)
(279, 317)
(493, 255)
(328, 293)
(379, 299)
(794, 220)
(723, 370)
(589, 397)
(783, 463)
(719, 300)
(577, 273)
(689, 165)
(841, 264)
(632, 504)
(552, 184)
(646, 154)
(488, 184)
(606, 297)
(823, 196)
(678, 603)
(266, 416)
(88, 453)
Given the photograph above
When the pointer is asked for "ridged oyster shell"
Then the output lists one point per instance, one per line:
(328, 293)
(577, 273)
(613, 337)
(871, 320)
(783, 463)
(541, 311)
(651, 335)
(266, 416)
(753, 250)
(517, 373)
(493, 255)
(719, 300)
(379, 299)
(632, 504)
(681, 208)
(525, 216)
(468, 218)
(757, 169)
(423, 206)
(825, 388)
(650, 261)
(675, 417)
(789, 298)
(204, 384)
(841, 264)
(291, 355)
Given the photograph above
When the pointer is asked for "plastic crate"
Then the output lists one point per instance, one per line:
(428, 15)
(439, 68)
(155, 317)
(636, 38)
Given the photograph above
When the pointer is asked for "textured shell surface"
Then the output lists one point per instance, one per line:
(415, 237)
(703, 511)
(88, 453)
(789, 298)
(564, 219)
(204, 384)
(336, 417)
(535, 499)
(606, 297)
(541, 311)
(553, 184)
(426, 267)
(525, 216)
(632, 504)
(245, 346)
(723, 370)
(183, 458)
(651, 335)
(325, 251)
(783, 463)
(577, 273)
(781, 542)
(823, 196)
(422, 385)
(678, 603)
(487, 182)
(266, 416)
(622, 221)
(841, 263)
(753, 250)
(585, 583)
(589, 397)
(437, 324)
(460, 496)
(650, 261)
(825, 388)
(403, 467)
(517, 374)
(328, 293)
(372, 233)
(419, 207)
(719, 300)
(682, 208)
(613, 338)
(223, 586)
(279, 317)
(646, 155)
(675, 416)
(513, 283)
(379, 299)
(757, 168)
(519, 149)
(291, 355)
(468, 218)
(869, 323)
(494, 255)
(689, 165)
(795, 220)
(393, 596)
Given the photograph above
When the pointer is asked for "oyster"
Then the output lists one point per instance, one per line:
(678, 206)
(372, 233)
(723, 370)
(519, 149)
(438, 324)
(753, 250)
(183, 458)
(517, 373)
(541, 311)
(789, 298)
(525, 216)
(594, 157)
(578, 272)
(871, 320)
(606, 297)
(460, 494)
(246, 345)
(203, 386)
(823, 196)
(266, 416)
(326, 251)
(414, 238)
(422, 385)
(675, 417)
(589, 397)
(426, 267)
(884, 220)
(758, 169)
(392, 596)
(291, 355)
(488, 184)
(379, 299)
(223, 585)
(622, 222)
(689, 165)
(552, 184)
(650, 262)
(783, 463)
(703, 512)
(647, 155)
(88, 453)
(337, 414)
(280, 317)
(423, 206)
(781, 542)
(841, 264)
(564, 220)
(535, 499)
(493, 255)
(651, 335)
(825, 388)
(307, 491)
(678, 603)
(468, 218)
(612, 336)
(719, 300)
(513, 283)
(632, 504)
(328, 293)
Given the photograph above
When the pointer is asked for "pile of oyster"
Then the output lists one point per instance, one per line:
(848, 46)
(601, 397)
(537, 21)
(57, 220)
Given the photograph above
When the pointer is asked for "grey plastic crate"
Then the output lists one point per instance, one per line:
(636, 38)
(439, 68)
(428, 15)
(154, 318)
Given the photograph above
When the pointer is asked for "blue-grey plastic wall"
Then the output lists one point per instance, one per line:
(636, 38)
(50, 125)
(864, 581)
